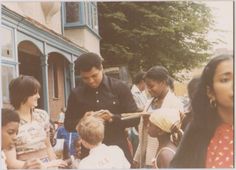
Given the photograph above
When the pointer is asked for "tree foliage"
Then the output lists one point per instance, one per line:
(144, 34)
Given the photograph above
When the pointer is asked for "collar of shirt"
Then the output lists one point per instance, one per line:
(3, 155)
(100, 146)
(135, 89)
(3, 160)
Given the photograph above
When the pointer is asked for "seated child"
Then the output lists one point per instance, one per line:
(165, 126)
(10, 126)
(101, 156)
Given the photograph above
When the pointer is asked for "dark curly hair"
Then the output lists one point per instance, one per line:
(9, 115)
(87, 61)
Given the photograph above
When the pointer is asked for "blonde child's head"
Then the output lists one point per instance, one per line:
(91, 130)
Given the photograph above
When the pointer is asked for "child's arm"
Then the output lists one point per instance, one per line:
(14, 163)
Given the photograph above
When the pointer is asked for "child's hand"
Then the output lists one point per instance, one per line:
(146, 120)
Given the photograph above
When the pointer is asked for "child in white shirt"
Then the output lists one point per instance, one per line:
(101, 156)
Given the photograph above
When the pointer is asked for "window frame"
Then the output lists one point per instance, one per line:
(87, 18)
(81, 18)
(13, 66)
(11, 62)
(92, 7)
(13, 58)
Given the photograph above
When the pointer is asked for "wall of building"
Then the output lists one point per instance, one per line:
(46, 13)
(84, 38)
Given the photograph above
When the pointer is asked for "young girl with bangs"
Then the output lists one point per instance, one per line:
(32, 140)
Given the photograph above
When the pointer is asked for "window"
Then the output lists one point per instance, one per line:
(93, 16)
(72, 12)
(7, 61)
(8, 73)
(77, 14)
(7, 44)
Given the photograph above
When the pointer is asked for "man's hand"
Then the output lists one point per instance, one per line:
(89, 113)
(106, 115)
(146, 120)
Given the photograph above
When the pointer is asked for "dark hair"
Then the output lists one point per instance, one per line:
(193, 148)
(158, 73)
(192, 86)
(9, 115)
(176, 133)
(170, 82)
(87, 61)
(21, 88)
(138, 77)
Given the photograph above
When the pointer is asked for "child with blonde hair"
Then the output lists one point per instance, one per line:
(101, 156)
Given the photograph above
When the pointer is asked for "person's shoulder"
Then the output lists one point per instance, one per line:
(165, 156)
(77, 91)
(40, 114)
(85, 163)
(115, 148)
(40, 111)
(134, 89)
(80, 87)
(173, 100)
(166, 153)
(115, 80)
(118, 85)
(61, 129)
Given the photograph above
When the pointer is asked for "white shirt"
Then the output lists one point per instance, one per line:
(139, 97)
(151, 144)
(105, 157)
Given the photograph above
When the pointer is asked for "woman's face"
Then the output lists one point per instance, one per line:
(155, 88)
(32, 101)
(9, 132)
(223, 85)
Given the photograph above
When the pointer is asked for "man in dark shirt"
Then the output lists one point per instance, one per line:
(96, 91)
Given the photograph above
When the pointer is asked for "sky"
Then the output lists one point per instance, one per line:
(223, 14)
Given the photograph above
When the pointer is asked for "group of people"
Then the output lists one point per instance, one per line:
(96, 109)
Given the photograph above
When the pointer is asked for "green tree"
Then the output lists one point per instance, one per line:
(144, 34)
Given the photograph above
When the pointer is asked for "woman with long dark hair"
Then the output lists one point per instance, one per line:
(208, 140)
